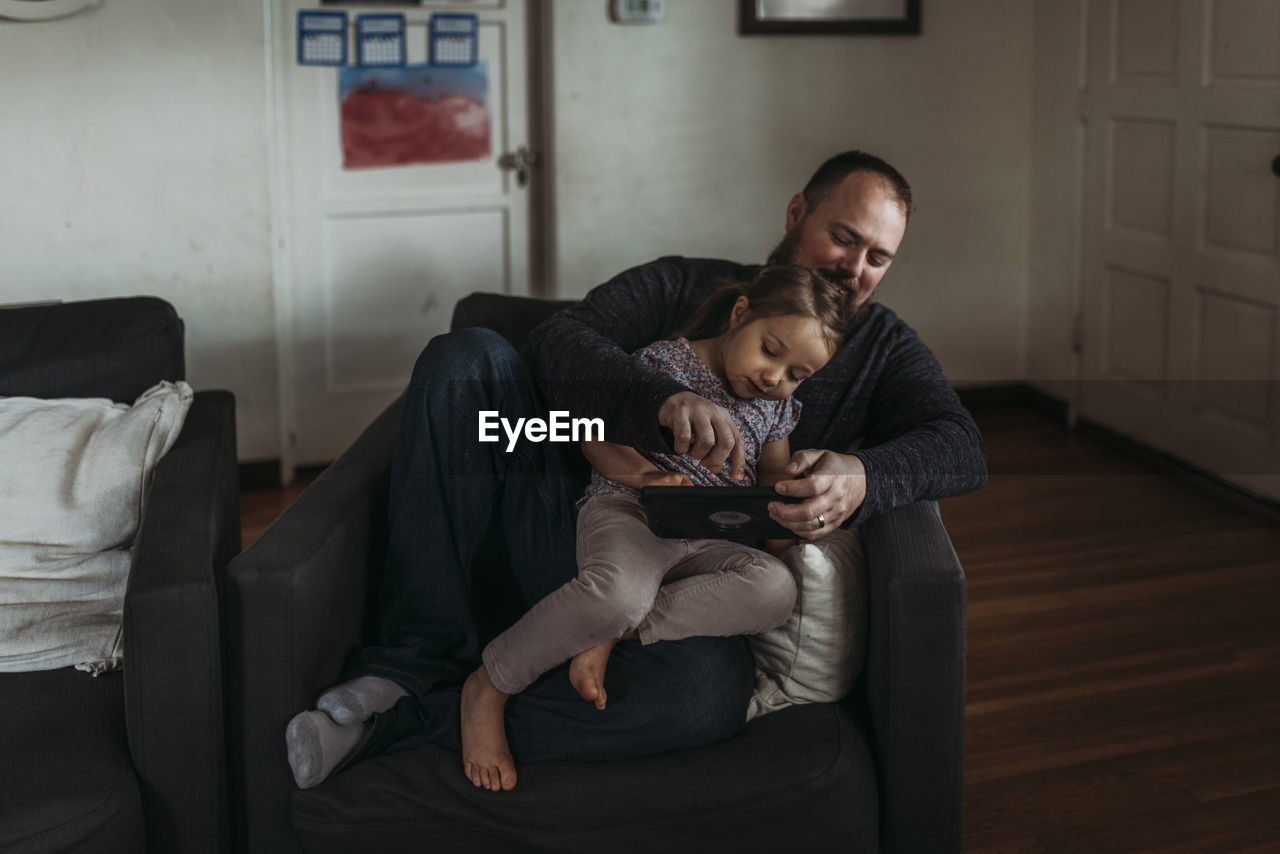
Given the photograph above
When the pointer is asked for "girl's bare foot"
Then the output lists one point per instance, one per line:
(586, 670)
(486, 758)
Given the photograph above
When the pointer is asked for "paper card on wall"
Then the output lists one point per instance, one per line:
(322, 38)
(380, 40)
(414, 114)
(454, 39)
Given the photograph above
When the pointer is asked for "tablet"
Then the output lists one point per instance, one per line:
(739, 513)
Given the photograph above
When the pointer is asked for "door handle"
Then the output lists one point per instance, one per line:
(522, 160)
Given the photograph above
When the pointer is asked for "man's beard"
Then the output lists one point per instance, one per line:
(785, 253)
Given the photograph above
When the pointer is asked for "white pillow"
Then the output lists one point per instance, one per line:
(816, 656)
(73, 478)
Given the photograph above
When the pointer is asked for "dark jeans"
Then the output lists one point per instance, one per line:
(447, 490)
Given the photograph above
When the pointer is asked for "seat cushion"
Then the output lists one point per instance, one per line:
(69, 784)
(799, 779)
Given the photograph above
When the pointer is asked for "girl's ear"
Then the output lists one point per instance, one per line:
(737, 312)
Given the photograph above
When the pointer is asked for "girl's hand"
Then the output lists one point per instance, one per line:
(704, 431)
(834, 487)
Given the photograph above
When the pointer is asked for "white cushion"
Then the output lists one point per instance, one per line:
(73, 479)
(816, 656)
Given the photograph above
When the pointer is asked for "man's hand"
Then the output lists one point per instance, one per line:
(704, 431)
(834, 486)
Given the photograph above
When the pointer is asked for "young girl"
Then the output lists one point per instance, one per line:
(752, 345)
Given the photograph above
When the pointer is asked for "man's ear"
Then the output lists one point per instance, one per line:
(796, 209)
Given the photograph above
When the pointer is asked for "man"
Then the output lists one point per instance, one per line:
(883, 391)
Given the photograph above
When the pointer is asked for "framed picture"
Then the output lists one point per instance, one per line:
(828, 17)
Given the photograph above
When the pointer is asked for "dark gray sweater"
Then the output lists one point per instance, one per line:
(883, 388)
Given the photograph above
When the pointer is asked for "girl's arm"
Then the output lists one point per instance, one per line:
(772, 465)
(626, 466)
(770, 469)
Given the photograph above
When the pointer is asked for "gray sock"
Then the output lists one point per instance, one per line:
(356, 701)
(316, 745)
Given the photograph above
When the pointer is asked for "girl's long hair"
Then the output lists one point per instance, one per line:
(777, 290)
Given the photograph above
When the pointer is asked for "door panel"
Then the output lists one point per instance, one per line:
(1141, 178)
(1145, 48)
(1242, 42)
(1240, 209)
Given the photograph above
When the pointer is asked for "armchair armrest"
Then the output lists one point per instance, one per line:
(172, 636)
(915, 676)
(298, 602)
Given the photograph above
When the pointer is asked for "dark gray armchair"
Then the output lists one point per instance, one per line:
(880, 771)
(132, 760)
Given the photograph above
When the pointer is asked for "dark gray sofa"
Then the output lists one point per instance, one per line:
(133, 760)
(880, 771)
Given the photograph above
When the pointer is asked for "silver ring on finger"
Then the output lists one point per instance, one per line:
(822, 522)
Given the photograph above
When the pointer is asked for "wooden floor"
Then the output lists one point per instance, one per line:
(259, 508)
(1123, 653)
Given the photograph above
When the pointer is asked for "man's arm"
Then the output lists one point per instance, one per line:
(921, 443)
(581, 356)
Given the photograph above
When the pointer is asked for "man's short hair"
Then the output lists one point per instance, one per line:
(835, 170)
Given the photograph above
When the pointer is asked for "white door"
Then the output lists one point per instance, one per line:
(372, 260)
(1181, 343)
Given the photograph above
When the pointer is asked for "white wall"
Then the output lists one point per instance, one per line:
(684, 137)
(134, 139)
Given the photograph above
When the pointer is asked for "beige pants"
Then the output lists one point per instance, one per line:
(629, 578)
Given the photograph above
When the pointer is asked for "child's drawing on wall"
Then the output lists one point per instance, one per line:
(414, 114)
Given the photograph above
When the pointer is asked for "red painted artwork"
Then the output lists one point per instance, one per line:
(394, 117)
